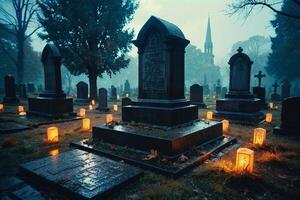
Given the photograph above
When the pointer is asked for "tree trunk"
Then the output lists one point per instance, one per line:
(20, 59)
(93, 85)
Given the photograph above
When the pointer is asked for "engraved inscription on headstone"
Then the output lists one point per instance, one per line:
(153, 64)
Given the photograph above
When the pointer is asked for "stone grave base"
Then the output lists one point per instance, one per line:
(239, 117)
(173, 167)
(286, 131)
(79, 175)
(11, 127)
(169, 141)
(10, 100)
(50, 107)
(82, 101)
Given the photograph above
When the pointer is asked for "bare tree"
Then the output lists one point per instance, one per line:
(16, 17)
(247, 6)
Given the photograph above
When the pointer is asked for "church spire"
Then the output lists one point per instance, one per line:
(208, 45)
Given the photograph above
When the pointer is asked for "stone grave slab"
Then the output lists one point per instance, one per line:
(27, 193)
(11, 127)
(80, 175)
(172, 167)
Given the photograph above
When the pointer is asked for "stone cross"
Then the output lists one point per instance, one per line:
(259, 76)
(275, 85)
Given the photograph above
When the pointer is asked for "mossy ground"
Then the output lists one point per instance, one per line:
(275, 176)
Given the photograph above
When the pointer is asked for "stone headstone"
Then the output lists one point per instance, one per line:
(113, 93)
(259, 91)
(259, 77)
(275, 96)
(239, 104)
(22, 91)
(30, 88)
(290, 116)
(126, 101)
(52, 101)
(126, 87)
(102, 100)
(285, 89)
(82, 93)
(196, 95)
(223, 92)
(10, 90)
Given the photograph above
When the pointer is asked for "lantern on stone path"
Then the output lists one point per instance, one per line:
(82, 112)
(109, 118)
(90, 107)
(115, 108)
(1, 107)
(225, 125)
(259, 136)
(271, 105)
(52, 134)
(93, 102)
(21, 109)
(244, 160)
(209, 115)
(86, 124)
(269, 117)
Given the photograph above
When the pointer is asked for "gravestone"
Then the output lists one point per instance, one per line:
(161, 101)
(113, 93)
(290, 116)
(22, 91)
(127, 87)
(275, 96)
(258, 91)
(10, 90)
(297, 90)
(223, 92)
(30, 88)
(102, 100)
(196, 95)
(218, 89)
(239, 104)
(285, 89)
(52, 101)
(126, 101)
(82, 93)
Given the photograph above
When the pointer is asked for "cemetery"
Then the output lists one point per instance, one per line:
(99, 120)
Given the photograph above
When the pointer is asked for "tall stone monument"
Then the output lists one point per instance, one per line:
(259, 91)
(52, 101)
(239, 104)
(161, 101)
(10, 90)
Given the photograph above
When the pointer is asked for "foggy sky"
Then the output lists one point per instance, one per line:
(191, 16)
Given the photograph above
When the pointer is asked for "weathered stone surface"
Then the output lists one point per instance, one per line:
(260, 93)
(80, 175)
(102, 100)
(290, 116)
(10, 90)
(113, 93)
(82, 93)
(11, 127)
(30, 87)
(196, 95)
(27, 193)
(126, 101)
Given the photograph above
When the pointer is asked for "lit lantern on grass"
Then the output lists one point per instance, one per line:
(225, 125)
(244, 160)
(23, 113)
(93, 102)
(1, 107)
(86, 124)
(90, 107)
(209, 115)
(109, 118)
(115, 108)
(271, 105)
(259, 136)
(127, 95)
(21, 109)
(82, 112)
(52, 134)
(269, 117)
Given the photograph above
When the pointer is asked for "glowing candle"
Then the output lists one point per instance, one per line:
(115, 108)
(127, 95)
(109, 118)
(209, 115)
(259, 136)
(269, 117)
(21, 109)
(54, 152)
(93, 102)
(1, 107)
(82, 112)
(225, 125)
(90, 107)
(271, 105)
(86, 124)
(23, 113)
(52, 134)
(244, 160)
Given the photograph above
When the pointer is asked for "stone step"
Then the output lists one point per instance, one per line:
(26, 193)
(77, 174)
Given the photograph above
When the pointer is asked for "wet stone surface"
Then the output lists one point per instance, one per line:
(11, 127)
(81, 174)
(27, 193)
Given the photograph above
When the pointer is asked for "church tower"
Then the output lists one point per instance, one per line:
(208, 45)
